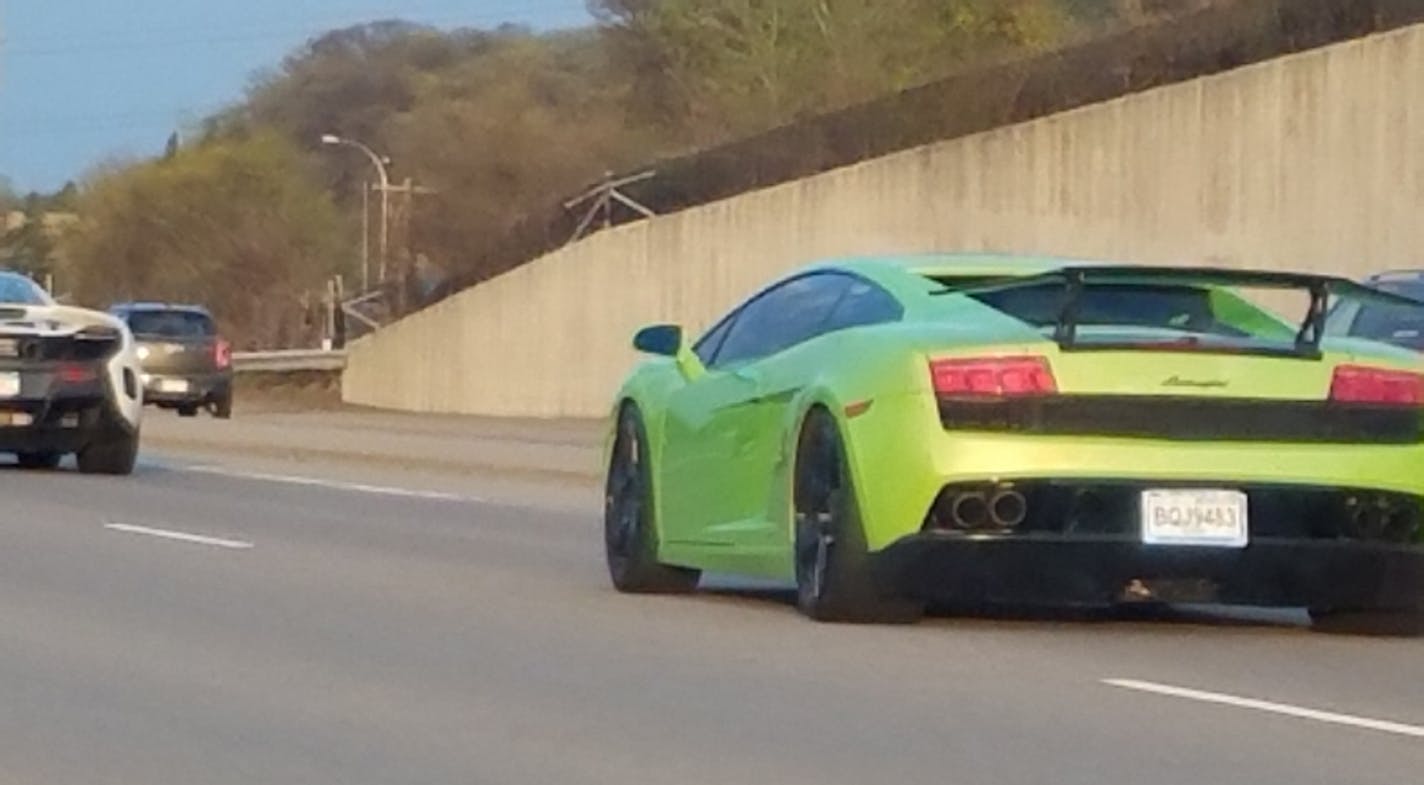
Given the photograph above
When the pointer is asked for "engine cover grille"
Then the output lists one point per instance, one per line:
(1179, 418)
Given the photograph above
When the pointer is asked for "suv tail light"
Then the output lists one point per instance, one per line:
(997, 377)
(222, 353)
(1362, 384)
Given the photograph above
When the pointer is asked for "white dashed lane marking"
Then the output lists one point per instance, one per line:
(169, 534)
(1285, 709)
(335, 485)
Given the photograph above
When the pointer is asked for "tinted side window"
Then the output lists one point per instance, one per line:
(1402, 325)
(783, 317)
(864, 303)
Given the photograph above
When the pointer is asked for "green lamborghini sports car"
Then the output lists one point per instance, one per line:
(970, 430)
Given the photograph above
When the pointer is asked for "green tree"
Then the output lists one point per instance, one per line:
(8, 197)
(500, 124)
(723, 67)
(512, 131)
(30, 247)
(236, 224)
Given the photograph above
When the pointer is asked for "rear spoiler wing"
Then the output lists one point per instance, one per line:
(1076, 279)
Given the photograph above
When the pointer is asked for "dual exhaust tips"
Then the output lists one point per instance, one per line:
(1380, 519)
(1004, 508)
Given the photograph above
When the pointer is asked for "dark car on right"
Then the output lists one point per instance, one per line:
(1401, 325)
(186, 364)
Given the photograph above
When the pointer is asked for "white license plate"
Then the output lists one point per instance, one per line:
(16, 419)
(173, 385)
(1195, 517)
(9, 384)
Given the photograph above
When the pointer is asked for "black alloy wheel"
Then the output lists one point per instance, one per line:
(629, 534)
(834, 578)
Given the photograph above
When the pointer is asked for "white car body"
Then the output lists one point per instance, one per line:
(69, 379)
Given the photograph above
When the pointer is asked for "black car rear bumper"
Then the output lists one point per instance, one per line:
(1096, 570)
(201, 388)
(62, 424)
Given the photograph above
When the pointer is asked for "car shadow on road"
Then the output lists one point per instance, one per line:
(66, 468)
(1144, 615)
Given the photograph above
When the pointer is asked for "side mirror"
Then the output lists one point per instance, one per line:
(660, 339)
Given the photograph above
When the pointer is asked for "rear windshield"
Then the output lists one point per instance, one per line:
(1176, 308)
(171, 324)
(18, 290)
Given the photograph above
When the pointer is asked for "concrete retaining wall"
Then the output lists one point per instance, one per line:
(1313, 161)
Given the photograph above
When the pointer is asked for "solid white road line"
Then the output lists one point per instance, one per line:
(180, 536)
(1288, 710)
(336, 485)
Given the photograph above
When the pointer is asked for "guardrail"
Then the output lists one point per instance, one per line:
(289, 360)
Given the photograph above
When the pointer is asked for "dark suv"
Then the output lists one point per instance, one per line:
(1401, 325)
(186, 365)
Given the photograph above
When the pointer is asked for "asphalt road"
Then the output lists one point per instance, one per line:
(341, 624)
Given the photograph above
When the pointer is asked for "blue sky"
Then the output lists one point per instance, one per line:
(83, 81)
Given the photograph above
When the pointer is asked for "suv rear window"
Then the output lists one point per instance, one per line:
(1402, 325)
(171, 324)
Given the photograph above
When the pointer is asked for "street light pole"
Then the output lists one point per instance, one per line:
(380, 163)
(365, 236)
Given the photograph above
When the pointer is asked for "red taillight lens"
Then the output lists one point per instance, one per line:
(77, 374)
(222, 353)
(1362, 384)
(993, 376)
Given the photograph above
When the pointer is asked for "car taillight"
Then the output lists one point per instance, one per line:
(1362, 384)
(76, 374)
(222, 353)
(993, 377)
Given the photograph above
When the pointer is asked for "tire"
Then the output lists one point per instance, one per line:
(222, 407)
(188, 410)
(114, 454)
(1406, 624)
(834, 579)
(39, 460)
(629, 527)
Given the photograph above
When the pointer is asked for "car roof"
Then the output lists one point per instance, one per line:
(153, 306)
(1396, 275)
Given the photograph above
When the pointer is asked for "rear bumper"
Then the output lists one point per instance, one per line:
(902, 459)
(1056, 569)
(62, 424)
(199, 388)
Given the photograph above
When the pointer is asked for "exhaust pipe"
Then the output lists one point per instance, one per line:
(1376, 518)
(1371, 519)
(1008, 508)
(969, 510)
